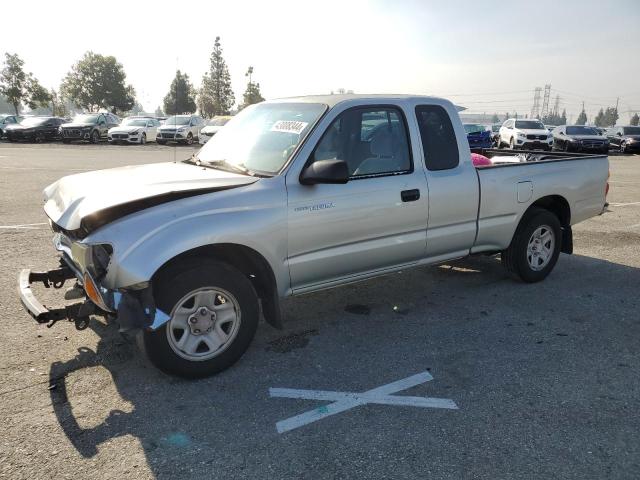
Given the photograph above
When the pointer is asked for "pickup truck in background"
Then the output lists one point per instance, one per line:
(290, 197)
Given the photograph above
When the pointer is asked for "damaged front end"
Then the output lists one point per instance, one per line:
(132, 308)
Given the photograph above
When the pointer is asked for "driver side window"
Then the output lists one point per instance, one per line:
(372, 141)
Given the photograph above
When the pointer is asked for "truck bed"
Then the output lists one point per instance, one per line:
(508, 189)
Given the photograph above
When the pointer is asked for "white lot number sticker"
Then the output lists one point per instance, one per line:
(289, 126)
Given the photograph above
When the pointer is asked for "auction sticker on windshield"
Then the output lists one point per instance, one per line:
(289, 126)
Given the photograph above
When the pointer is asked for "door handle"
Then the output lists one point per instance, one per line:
(410, 195)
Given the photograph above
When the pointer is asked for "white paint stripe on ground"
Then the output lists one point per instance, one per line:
(623, 204)
(48, 169)
(345, 400)
(25, 226)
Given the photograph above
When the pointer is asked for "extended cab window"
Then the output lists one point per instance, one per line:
(439, 142)
(372, 141)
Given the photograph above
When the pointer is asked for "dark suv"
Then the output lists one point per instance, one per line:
(626, 138)
(6, 120)
(91, 127)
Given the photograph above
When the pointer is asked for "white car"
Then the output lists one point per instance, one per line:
(134, 130)
(213, 125)
(180, 129)
(525, 134)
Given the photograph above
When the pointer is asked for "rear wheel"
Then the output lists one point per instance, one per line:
(39, 137)
(535, 246)
(214, 316)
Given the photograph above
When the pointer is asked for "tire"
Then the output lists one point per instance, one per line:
(512, 144)
(143, 139)
(525, 252)
(189, 139)
(623, 147)
(498, 143)
(95, 137)
(65, 141)
(206, 282)
(161, 142)
(39, 137)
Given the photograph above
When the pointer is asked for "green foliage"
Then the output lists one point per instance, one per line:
(635, 120)
(58, 105)
(5, 106)
(216, 95)
(180, 97)
(582, 118)
(19, 87)
(607, 118)
(252, 93)
(98, 82)
(553, 118)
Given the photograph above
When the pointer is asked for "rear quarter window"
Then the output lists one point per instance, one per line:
(439, 142)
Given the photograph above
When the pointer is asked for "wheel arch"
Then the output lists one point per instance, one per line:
(559, 206)
(249, 262)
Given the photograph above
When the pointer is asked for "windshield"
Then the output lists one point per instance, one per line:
(134, 122)
(218, 122)
(85, 119)
(529, 125)
(473, 128)
(631, 130)
(581, 130)
(181, 120)
(33, 121)
(262, 137)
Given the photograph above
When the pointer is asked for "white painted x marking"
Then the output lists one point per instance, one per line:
(343, 401)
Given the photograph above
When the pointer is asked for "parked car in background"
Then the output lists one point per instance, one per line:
(212, 127)
(91, 127)
(478, 136)
(6, 120)
(579, 138)
(134, 130)
(180, 129)
(625, 138)
(495, 133)
(35, 129)
(524, 134)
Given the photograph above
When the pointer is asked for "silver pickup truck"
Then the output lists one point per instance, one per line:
(293, 196)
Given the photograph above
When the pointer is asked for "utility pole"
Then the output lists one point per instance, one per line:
(556, 105)
(545, 101)
(535, 110)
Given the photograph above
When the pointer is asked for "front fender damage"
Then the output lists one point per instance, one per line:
(137, 309)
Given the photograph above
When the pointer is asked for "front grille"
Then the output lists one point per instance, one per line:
(71, 133)
(168, 135)
(120, 135)
(592, 143)
(536, 137)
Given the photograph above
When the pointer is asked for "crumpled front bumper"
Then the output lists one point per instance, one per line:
(77, 312)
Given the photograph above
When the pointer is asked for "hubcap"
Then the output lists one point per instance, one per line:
(541, 247)
(203, 324)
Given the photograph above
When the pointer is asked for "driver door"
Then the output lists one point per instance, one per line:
(342, 232)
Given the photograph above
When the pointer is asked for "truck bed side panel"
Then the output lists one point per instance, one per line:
(580, 181)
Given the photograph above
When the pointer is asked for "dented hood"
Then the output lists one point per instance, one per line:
(92, 199)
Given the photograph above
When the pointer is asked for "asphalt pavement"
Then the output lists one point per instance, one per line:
(544, 377)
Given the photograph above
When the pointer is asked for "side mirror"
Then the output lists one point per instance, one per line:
(325, 171)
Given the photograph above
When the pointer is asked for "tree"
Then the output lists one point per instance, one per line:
(506, 116)
(216, 96)
(635, 120)
(159, 112)
(607, 118)
(582, 118)
(252, 93)
(495, 118)
(19, 87)
(180, 97)
(98, 82)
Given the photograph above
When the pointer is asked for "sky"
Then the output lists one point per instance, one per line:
(487, 55)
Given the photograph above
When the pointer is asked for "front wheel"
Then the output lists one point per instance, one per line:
(95, 137)
(512, 144)
(161, 142)
(535, 246)
(143, 139)
(623, 147)
(214, 316)
(189, 139)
